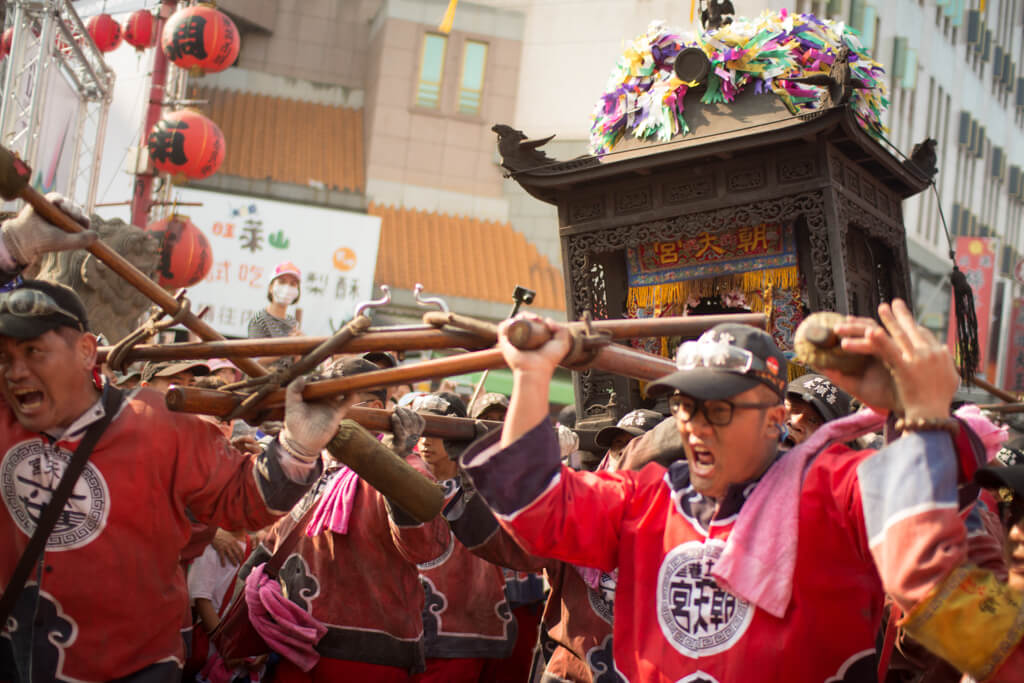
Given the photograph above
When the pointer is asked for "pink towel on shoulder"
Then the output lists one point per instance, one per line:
(335, 506)
(759, 558)
(288, 629)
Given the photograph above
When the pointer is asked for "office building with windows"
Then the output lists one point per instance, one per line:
(367, 106)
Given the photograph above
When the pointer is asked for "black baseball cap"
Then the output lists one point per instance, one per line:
(25, 324)
(634, 423)
(830, 401)
(727, 360)
(173, 367)
(999, 476)
(346, 367)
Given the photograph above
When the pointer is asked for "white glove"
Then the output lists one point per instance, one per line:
(28, 235)
(309, 426)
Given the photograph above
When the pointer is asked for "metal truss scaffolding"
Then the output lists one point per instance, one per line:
(50, 41)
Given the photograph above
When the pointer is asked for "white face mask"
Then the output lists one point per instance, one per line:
(284, 294)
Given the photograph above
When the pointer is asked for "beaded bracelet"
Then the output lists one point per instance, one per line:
(929, 424)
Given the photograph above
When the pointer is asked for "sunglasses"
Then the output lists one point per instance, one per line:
(32, 303)
(719, 355)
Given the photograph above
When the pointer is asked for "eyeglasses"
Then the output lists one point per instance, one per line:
(717, 412)
(32, 303)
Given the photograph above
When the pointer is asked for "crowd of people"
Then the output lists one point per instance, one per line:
(759, 529)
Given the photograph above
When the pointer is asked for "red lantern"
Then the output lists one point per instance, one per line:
(139, 30)
(200, 38)
(105, 32)
(6, 42)
(186, 143)
(185, 253)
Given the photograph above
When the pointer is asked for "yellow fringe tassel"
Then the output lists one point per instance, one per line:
(752, 283)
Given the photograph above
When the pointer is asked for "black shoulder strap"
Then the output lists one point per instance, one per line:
(52, 510)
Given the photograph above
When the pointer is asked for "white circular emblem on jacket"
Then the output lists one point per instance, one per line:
(696, 615)
(30, 473)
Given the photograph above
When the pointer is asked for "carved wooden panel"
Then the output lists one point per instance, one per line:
(887, 242)
(852, 179)
(745, 178)
(586, 209)
(795, 169)
(633, 200)
(869, 192)
(683, 190)
(836, 164)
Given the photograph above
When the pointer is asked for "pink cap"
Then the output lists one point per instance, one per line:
(218, 363)
(286, 268)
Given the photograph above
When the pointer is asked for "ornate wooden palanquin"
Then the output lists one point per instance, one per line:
(746, 164)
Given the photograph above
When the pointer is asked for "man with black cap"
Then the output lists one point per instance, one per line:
(1007, 484)
(490, 406)
(353, 567)
(614, 439)
(107, 595)
(161, 375)
(714, 584)
(811, 401)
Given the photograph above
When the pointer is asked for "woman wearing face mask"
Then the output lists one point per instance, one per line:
(282, 292)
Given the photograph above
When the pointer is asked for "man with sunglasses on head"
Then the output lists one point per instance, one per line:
(106, 597)
(732, 560)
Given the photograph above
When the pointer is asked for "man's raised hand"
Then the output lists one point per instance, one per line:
(540, 361)
(28, 235)
(921, 367)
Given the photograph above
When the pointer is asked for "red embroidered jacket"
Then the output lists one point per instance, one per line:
(112, 596)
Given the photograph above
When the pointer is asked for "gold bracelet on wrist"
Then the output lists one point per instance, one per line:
(929, 424)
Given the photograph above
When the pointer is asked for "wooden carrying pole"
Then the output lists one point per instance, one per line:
(615, 358)
(221, 403)
(1001, 394)
(426, 337)
(14, 175)
(1004, 408)
(399, 338)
